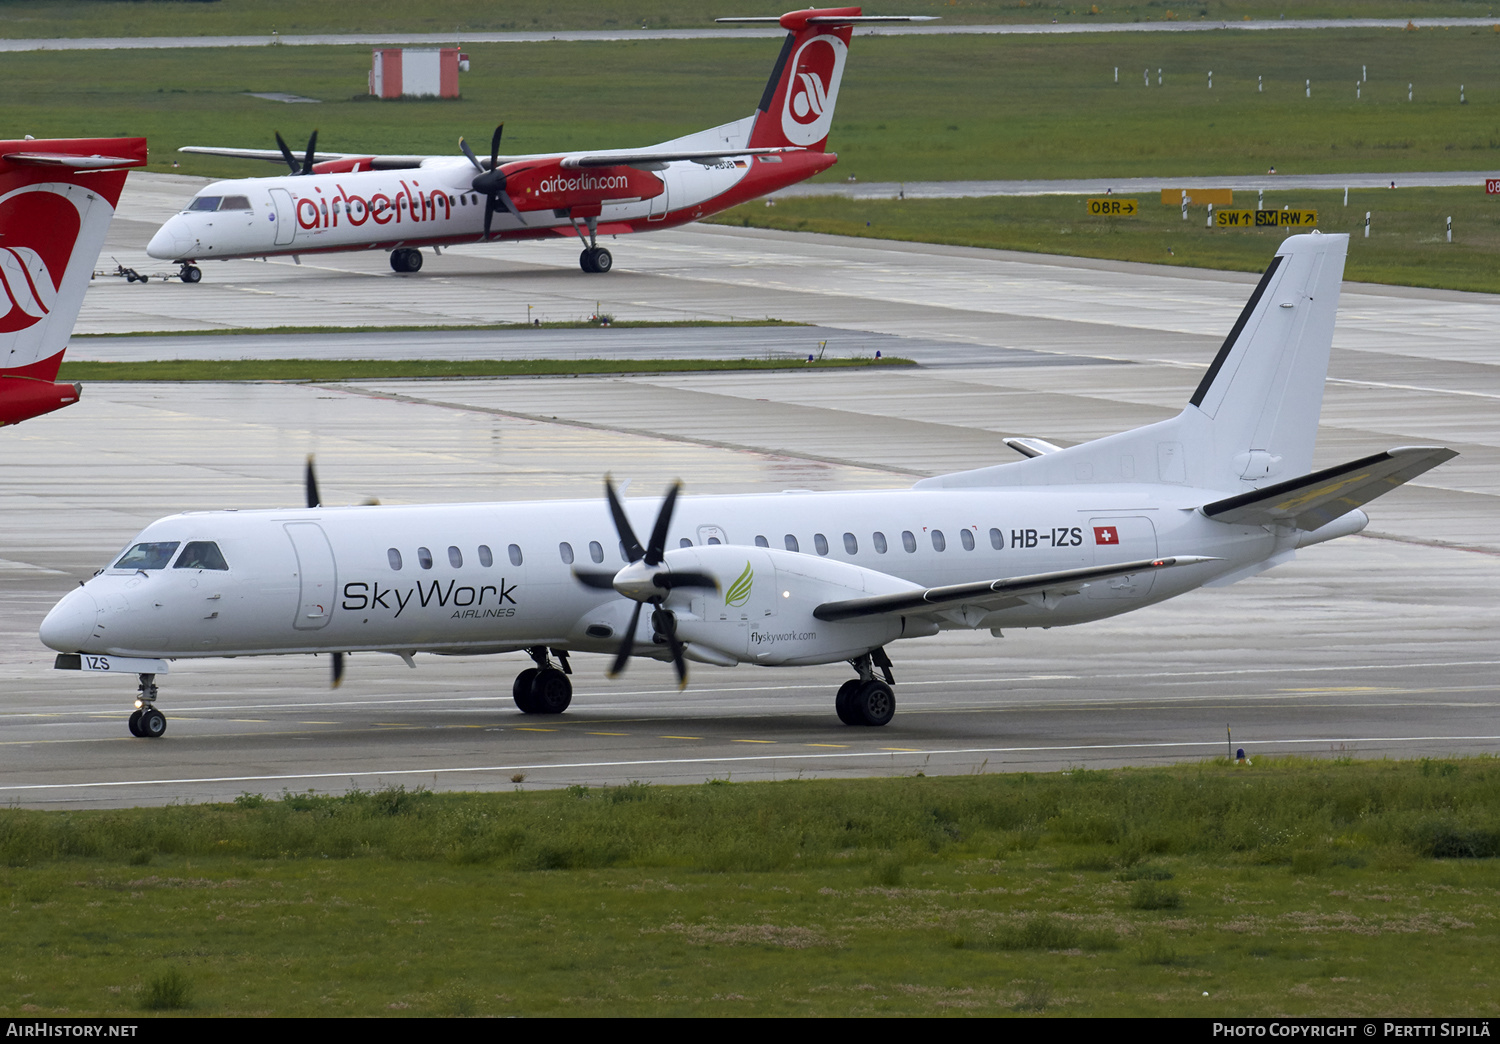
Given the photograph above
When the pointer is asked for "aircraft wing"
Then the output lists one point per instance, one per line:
(1313, 501)
(275, 156)
(993, 594)
(650, 157)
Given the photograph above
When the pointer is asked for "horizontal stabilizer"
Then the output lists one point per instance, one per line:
(72, 161)
(1313, 501)
(994, 594)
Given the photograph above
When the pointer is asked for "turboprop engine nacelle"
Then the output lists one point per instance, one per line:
(763, 610)
(549, 187)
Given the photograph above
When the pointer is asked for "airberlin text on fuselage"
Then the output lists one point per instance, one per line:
(586, 183)
(409, 203)
(360, 596)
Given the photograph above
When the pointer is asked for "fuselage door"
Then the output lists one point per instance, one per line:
(711, 535)
(659, 201)
(317, 577)
(286, 216)
(1122, 538)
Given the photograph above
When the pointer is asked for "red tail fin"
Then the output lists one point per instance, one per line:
(797, 107)
(56, 201)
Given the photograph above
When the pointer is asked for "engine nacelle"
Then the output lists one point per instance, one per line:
(763, 610)
(549, 187)
(347, 165)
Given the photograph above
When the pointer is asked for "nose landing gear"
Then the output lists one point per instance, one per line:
(189, 272)
(147, 722)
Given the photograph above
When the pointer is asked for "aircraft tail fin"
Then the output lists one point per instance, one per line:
(1253, 419)
(56, 201)
(796, 108)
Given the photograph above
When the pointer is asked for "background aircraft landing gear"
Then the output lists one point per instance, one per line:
(147, 722)
(189, 273)
(866, 700)
(596, 260)
(545, 688)
(406, 260)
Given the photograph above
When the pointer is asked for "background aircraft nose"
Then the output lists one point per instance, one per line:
(70, 624)
(172, 241)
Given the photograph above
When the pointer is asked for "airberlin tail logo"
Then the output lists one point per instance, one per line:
(739, 591)
(812, 90)
(37, 232)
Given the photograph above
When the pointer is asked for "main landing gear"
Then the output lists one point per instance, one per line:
(406, 259)
(147, 722)
(189, 272)
(544, 689)
(594, 259)
(866, 700)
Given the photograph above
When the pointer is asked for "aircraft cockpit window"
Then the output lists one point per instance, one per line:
(761, 541)
(938, 541)
(424, 558)
(205, 203)
(201, 554)
(878, 539)
(455, 558)
(515, 554)
(235, 203)
(968, 539)
(791, 542)
(596, 552)
(997, 540)
(485, 558)
(908, 541)
(820, 543)
(394, 558)
(565, 551)
(154, 555)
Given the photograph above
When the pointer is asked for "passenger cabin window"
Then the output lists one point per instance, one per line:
(515, 554)
(997, 540)
(565, 552)
(201, 554)
(851, 546)
(424, 558)
(684, 542)
(485, 558)
(394, 558)
(455, 558)
(149, 556)
(820, 542)
(761, 541)
(596, 551)
(714, 540)
(878, 539)
(204, 203)
(938, 543)
(791, 542)
(967, 538)
(909, 541)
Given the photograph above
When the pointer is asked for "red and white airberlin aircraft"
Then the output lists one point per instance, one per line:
(1220, 492)
(347, 201)
(56, 201)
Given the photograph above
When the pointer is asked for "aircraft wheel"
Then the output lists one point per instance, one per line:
(603, 260)
(135, 723)
(521, 691)
(153, 723)
(191, 274)
(874, 703)
(551, 691)
(414, 261)
(843, 701)
(586, 261)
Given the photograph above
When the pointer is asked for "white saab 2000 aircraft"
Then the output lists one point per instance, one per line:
(351, 201)
(1216, 494)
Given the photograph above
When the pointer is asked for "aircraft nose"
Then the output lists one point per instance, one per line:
(172, 241)
(70, 624)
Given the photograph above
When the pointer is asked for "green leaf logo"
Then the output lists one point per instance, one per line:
(739, 591)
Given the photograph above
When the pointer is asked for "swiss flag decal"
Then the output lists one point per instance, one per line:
(1106, 535)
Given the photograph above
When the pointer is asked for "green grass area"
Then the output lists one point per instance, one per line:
(911, 108)
(391, 369)
(73, 18)
(1407, 243)
(1288, 887)
(575, 324)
